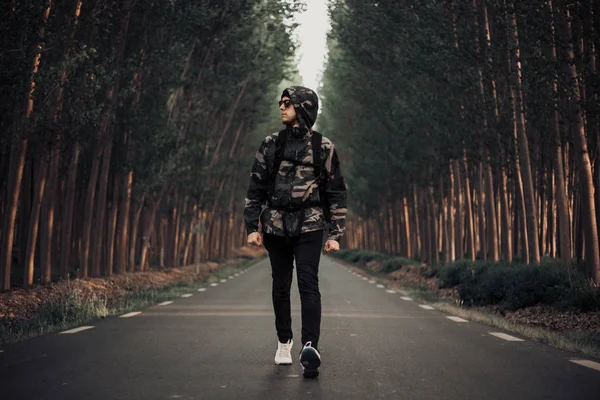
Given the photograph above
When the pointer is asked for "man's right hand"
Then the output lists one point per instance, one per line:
(254, 239)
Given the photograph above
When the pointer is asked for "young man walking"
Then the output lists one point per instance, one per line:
(296, 173)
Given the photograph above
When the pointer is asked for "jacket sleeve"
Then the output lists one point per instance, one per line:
(256, 195)
(335, 191)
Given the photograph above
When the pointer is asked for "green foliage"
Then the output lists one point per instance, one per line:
(360, 257)
(396, 263)
(518, 286)
(184, 65)
(401, 92)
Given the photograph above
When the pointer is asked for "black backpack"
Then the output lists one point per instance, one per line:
(316, 140)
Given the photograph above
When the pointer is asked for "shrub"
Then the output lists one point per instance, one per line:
(450, 274)
(366, 256)
(585, 296)
(470, 277)
(396, 263)
(519, 285)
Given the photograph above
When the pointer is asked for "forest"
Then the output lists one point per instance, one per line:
(467, 130)
(470, 129)
(124, 129)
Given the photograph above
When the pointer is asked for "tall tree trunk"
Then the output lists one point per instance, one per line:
(67, 238)
(111, 228)
(491, 215)
(432, 224)
(532, 223)
(583, 158)
(507, 248)
(17, 163)
(557, 160)
(445, 228)
(123, 224)
(417, 231)
(451, 230)
(97, 254)
(46, 259)
(134, 236)
(469, 209)
(103, 144)
(25, 207)
(459, 236)
(34, 220)
(149, 228)
(424, 216)
(481, 212)
(407, 228)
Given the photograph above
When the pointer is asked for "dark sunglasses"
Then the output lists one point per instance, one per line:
(285, 102)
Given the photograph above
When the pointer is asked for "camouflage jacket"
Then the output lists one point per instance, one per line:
(294, 186)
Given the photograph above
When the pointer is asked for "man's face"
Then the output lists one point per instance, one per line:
(288, 113)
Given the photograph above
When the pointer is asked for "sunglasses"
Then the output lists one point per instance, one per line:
(285, 102)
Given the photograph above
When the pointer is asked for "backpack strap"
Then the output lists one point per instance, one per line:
(280, 143)
(317, 138)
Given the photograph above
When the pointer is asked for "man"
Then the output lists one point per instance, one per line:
(299, 204)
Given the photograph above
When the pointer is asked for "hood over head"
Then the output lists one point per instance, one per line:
(306, 104)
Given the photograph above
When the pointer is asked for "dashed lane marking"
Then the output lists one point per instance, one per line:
(81, 328)
(131, 314)
(457, 319)
(587, 363)
(506, 337)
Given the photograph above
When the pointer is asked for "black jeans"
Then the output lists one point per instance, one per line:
(306, 249)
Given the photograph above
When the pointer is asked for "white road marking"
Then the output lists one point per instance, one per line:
(353, 334)
(223, 280)
(365, 279)
(587, 363)
(424, 307)
(371, 281)
(187, 295)
(406, 298)
(165, 303)
(391, 291)
(81, 328)
(131, 314)
(1, 351)
(214, 284)
(380, 286)
(506, 337)
(202, 289)
(293, 376)
(457, 319)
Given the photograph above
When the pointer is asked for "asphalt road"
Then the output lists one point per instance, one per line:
(220, 343)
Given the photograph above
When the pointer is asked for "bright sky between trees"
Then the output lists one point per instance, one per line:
(312, 34)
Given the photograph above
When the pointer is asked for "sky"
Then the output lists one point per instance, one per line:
(312, 35)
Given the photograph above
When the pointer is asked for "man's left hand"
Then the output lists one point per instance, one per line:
(331, 246)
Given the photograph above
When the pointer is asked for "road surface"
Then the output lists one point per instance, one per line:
(219, 343)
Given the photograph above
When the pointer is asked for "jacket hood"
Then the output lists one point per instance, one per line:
(306, 103)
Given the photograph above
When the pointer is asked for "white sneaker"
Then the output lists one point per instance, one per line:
(284, 353)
